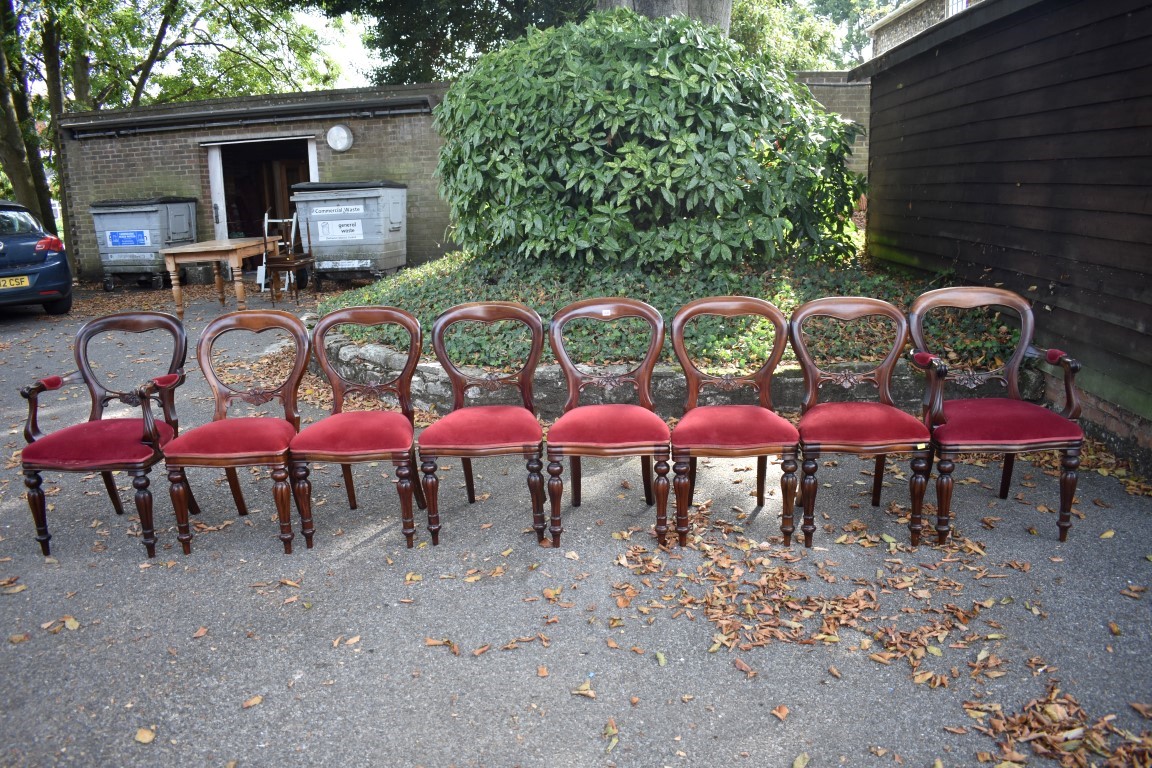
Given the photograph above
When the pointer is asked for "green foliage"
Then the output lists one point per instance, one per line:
(626, 140)
(428, 290)
(422, 42)
(786, 31)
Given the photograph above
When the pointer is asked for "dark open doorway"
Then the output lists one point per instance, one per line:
(258, 178)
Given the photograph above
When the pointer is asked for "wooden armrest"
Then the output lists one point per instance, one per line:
(32, 392)
(1070, 366)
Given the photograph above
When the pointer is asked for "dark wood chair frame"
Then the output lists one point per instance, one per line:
(940, 374)
(848, 308)
(254, 321)
(461, 382)
(400, 386)
(160, 390)
(760, 380)
(608, 309)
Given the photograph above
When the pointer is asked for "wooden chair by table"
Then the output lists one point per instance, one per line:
(290, 257)
(1006, 425)
(475, 431)
(348, 437)
(609, 429)
(252, 441)
(860, 427)
(732, 430)
(108, 444)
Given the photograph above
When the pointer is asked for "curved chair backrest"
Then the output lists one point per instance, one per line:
(607, 310)
(489, 312)
(254, 321)
(129, 322)
(401, 385)
(729, 306)
(971, 298)
(847, 308)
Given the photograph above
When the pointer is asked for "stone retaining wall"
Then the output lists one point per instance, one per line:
(432, 391)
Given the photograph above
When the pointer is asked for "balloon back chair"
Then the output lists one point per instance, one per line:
(348, 437)
(732, 430)
(106, 443)
(476, 431)
(608, 429)
(251, 441)
(861, 427)
(1006, 425)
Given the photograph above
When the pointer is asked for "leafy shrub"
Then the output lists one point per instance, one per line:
(431, 288)
(643, 142)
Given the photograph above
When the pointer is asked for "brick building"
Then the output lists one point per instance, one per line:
(240, 157)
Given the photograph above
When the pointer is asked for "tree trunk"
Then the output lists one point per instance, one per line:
(13, 152)
(715, 12)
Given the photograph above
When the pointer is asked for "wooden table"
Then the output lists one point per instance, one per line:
(233, 250)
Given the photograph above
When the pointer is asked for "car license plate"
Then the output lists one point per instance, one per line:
(21, 281)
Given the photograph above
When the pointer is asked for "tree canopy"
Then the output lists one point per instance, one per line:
(60, 55)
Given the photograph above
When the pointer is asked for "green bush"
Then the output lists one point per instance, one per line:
(650, 143)
(431, 288)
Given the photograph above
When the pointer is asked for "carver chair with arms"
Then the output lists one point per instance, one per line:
(107, 443)
(476, 431)
(732, 430)
(348, 437)
(250, 441)
(861, 427)
(608, 429)
(1006, 425)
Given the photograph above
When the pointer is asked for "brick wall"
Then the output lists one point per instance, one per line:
(850, 100)
(131, 163)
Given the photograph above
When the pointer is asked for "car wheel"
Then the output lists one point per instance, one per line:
(60, 306)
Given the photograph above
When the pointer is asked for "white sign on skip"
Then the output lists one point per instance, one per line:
(348, 229)
(336, 210)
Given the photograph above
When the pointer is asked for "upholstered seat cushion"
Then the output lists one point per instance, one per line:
(860, 423)
(616, 425)
(232, 439)
(483, 427)
(733, 426)
(355, 433)
(94, 444)
(1002, 421)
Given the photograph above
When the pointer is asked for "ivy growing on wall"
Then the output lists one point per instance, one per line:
(633, 141)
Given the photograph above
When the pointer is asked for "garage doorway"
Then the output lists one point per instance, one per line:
(249, 178)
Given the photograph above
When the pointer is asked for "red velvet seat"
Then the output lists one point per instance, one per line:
(1007, 425)
(253, 441)
(107, 445)
(352, 437)
(477, 431)
(731, 430)
(608, 429)
(860, 427)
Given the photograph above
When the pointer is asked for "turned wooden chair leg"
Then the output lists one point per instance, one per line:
(536, 493)
(282, 494)
(788, 489)
(143, 500)
(944, 484)
(1069, 463)
(432, 496)
(555, 497)
(660, 491)
(33, 481)
(404, 487)
(682, 487)
(917, 485)
(302, 493)
(808, 527)
(179, 494)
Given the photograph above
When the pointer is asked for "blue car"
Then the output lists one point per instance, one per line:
(33, 265)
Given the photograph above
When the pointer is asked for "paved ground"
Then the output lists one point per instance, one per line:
(490, 651)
